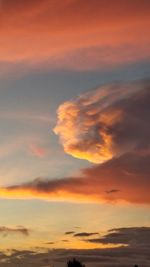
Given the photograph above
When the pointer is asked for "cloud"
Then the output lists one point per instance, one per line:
(26, 116)
(129, 173)
(50, 243)
(133, 237)
(69, 233)
(136, 251)
(106, 122)
(38, 150)
(112, 191)
(17, 230)
(85, 234)
(30, 143)
(109, 126)
(73, 34)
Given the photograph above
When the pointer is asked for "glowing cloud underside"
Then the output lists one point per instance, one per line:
(110, 126)
(87, 125)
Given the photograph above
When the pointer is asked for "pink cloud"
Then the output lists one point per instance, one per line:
(74, 34)
(37, 150)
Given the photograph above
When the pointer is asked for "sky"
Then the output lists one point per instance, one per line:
(74, 132)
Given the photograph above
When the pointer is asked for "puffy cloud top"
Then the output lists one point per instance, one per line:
(105, 122)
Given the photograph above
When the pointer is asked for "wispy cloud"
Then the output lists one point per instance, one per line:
(38, 150)
(85, 234)
(50, 243)
(75, 34)
(69, 233)
(14, 230)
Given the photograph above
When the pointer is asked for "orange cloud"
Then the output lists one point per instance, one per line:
(38, 150)
(121, 180)
(112, 119)
(74, 33)
(88, 126)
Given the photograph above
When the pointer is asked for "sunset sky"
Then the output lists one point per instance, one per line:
(74, 132)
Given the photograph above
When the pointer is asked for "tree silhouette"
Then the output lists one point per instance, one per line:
(74, 263)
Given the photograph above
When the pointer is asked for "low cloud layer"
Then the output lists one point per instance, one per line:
(136, 251)
(5, 231)
(129, 173)
(133, 237)
(109, 126)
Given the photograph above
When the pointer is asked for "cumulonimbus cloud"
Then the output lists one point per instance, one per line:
(109, 126)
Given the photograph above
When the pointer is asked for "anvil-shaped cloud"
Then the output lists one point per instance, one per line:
(109, 126)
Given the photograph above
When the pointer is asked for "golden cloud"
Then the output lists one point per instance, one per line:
(109, 126)
(86, 125)
(74, 34)
(121, 180)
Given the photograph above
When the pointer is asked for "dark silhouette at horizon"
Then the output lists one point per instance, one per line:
(74, 263)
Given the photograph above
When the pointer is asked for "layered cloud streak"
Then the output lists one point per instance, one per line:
(17, 230)
(133, 247)
(73, 34)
